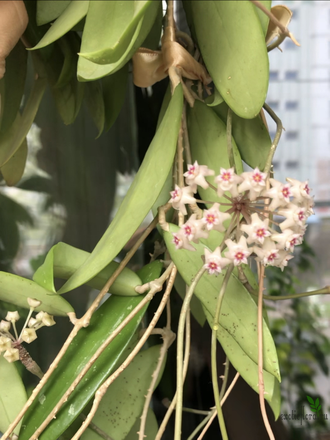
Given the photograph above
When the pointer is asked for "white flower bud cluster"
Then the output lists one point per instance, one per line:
(8, 342)
(251, 207)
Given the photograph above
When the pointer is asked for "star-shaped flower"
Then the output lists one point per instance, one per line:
(268, 253)
(193, 229)
(258, 229)
(214, 262)
(227, 181)
(181, 241)
(295, 215)
(287, 239)
(254, 182)
(237, 252)
(279, 193)
(196, 176)
(213, 218)
(180, 197)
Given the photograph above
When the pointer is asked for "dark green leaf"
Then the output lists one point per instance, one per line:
(114, 91)
(13, 170)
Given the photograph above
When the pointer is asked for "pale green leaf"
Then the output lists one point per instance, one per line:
(140, 197)
(151, 428)
(12, 395)
(49, 10)
(264, 19)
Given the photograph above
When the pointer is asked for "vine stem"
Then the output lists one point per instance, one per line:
(103, 388)
(260, 356)
(214, 340)
(229, 140)
(170, 410)
(214, 412)
(276, 140)
(179, 358)
(78, 325)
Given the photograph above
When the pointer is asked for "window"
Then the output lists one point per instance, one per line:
(274, 105)
(276, 165)
(272, 134)
(291, 75)
(291, 135)
(273, 75)
(291, 105)
(295, 13)
(289, 44)
(292, 164)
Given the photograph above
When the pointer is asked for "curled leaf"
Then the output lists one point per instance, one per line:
(148, 67)
(13, 22)
(283, 14)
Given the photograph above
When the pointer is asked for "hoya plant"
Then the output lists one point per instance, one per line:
(219, 222)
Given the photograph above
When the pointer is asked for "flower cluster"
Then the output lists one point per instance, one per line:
(9, 342)
(250, 207)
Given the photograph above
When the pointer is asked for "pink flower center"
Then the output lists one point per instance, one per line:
(187, 230)
(226, 176)
(176, 240)
(307, 189)
(239, 256)
(210, 218)
(293, 242)
(272, 256)
(301, 216)
(212, 266)
(286, 192)
(261, 232)
(192, 170)
(257, 178)
(175, 194)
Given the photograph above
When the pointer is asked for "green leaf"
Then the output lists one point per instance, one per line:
(152, 40)
(13, 170)
(12, 139)
(151, 427)
(247, 368)
(232, 44)
(319, 408)
(238, 312)
(317, 402)
(75, 11)
(264, 19)
(113, 24)
(63, 260)
(95, 104)
(251, 136)
(49, 10)
(214, 99)
(150, 271)
(123, 402)
(114, 91)
(12, 85)
(89, 71)
(12, 395)
(140, 197)
(310, 400)
(16, 290)
(208, 143)
(103, 323)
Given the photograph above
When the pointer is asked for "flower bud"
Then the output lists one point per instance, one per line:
(33, 303)
(12, 316)
(33, 322)
(5, 326)
(48, 320)
(39, 316)
(11, 355)
(28, 335)
(5, 343)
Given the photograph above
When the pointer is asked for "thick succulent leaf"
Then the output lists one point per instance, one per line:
(103, 323)
(208, 143)
(215, 99)
(239, 311)
(196, 308)
(16, 290)
(69, 67)
(140, 197)
(264, 19)
(49, 10)
(95, 103)
(123, 402)
(13, 170)
(247, 368)
(12, 395)
(12, 86)
(89, 71)
(251, 137)
(114, 91)
(151, 427)
(63, 260)
(75, 11)
(152, 41)
(114, 24)
(12, 139)
(232, 44)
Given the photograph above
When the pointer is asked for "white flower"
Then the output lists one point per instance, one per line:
(33, 302)
(283, 259)
(295, 215)
(180, 197)
(28, 335)
(287, 240)
(33, 322)
(5, 326)
(213, 218)
(279, 193)
(214, 262)
(237, 252)
(39, 316)
(193, 229)
(227, 181)
(258, 229)
(268, 254)
(11, 355)
(254, 182)
(12, 316)
(195, 176)
(181, 241)
(48, 320)
(5, 343)
(300, 190)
